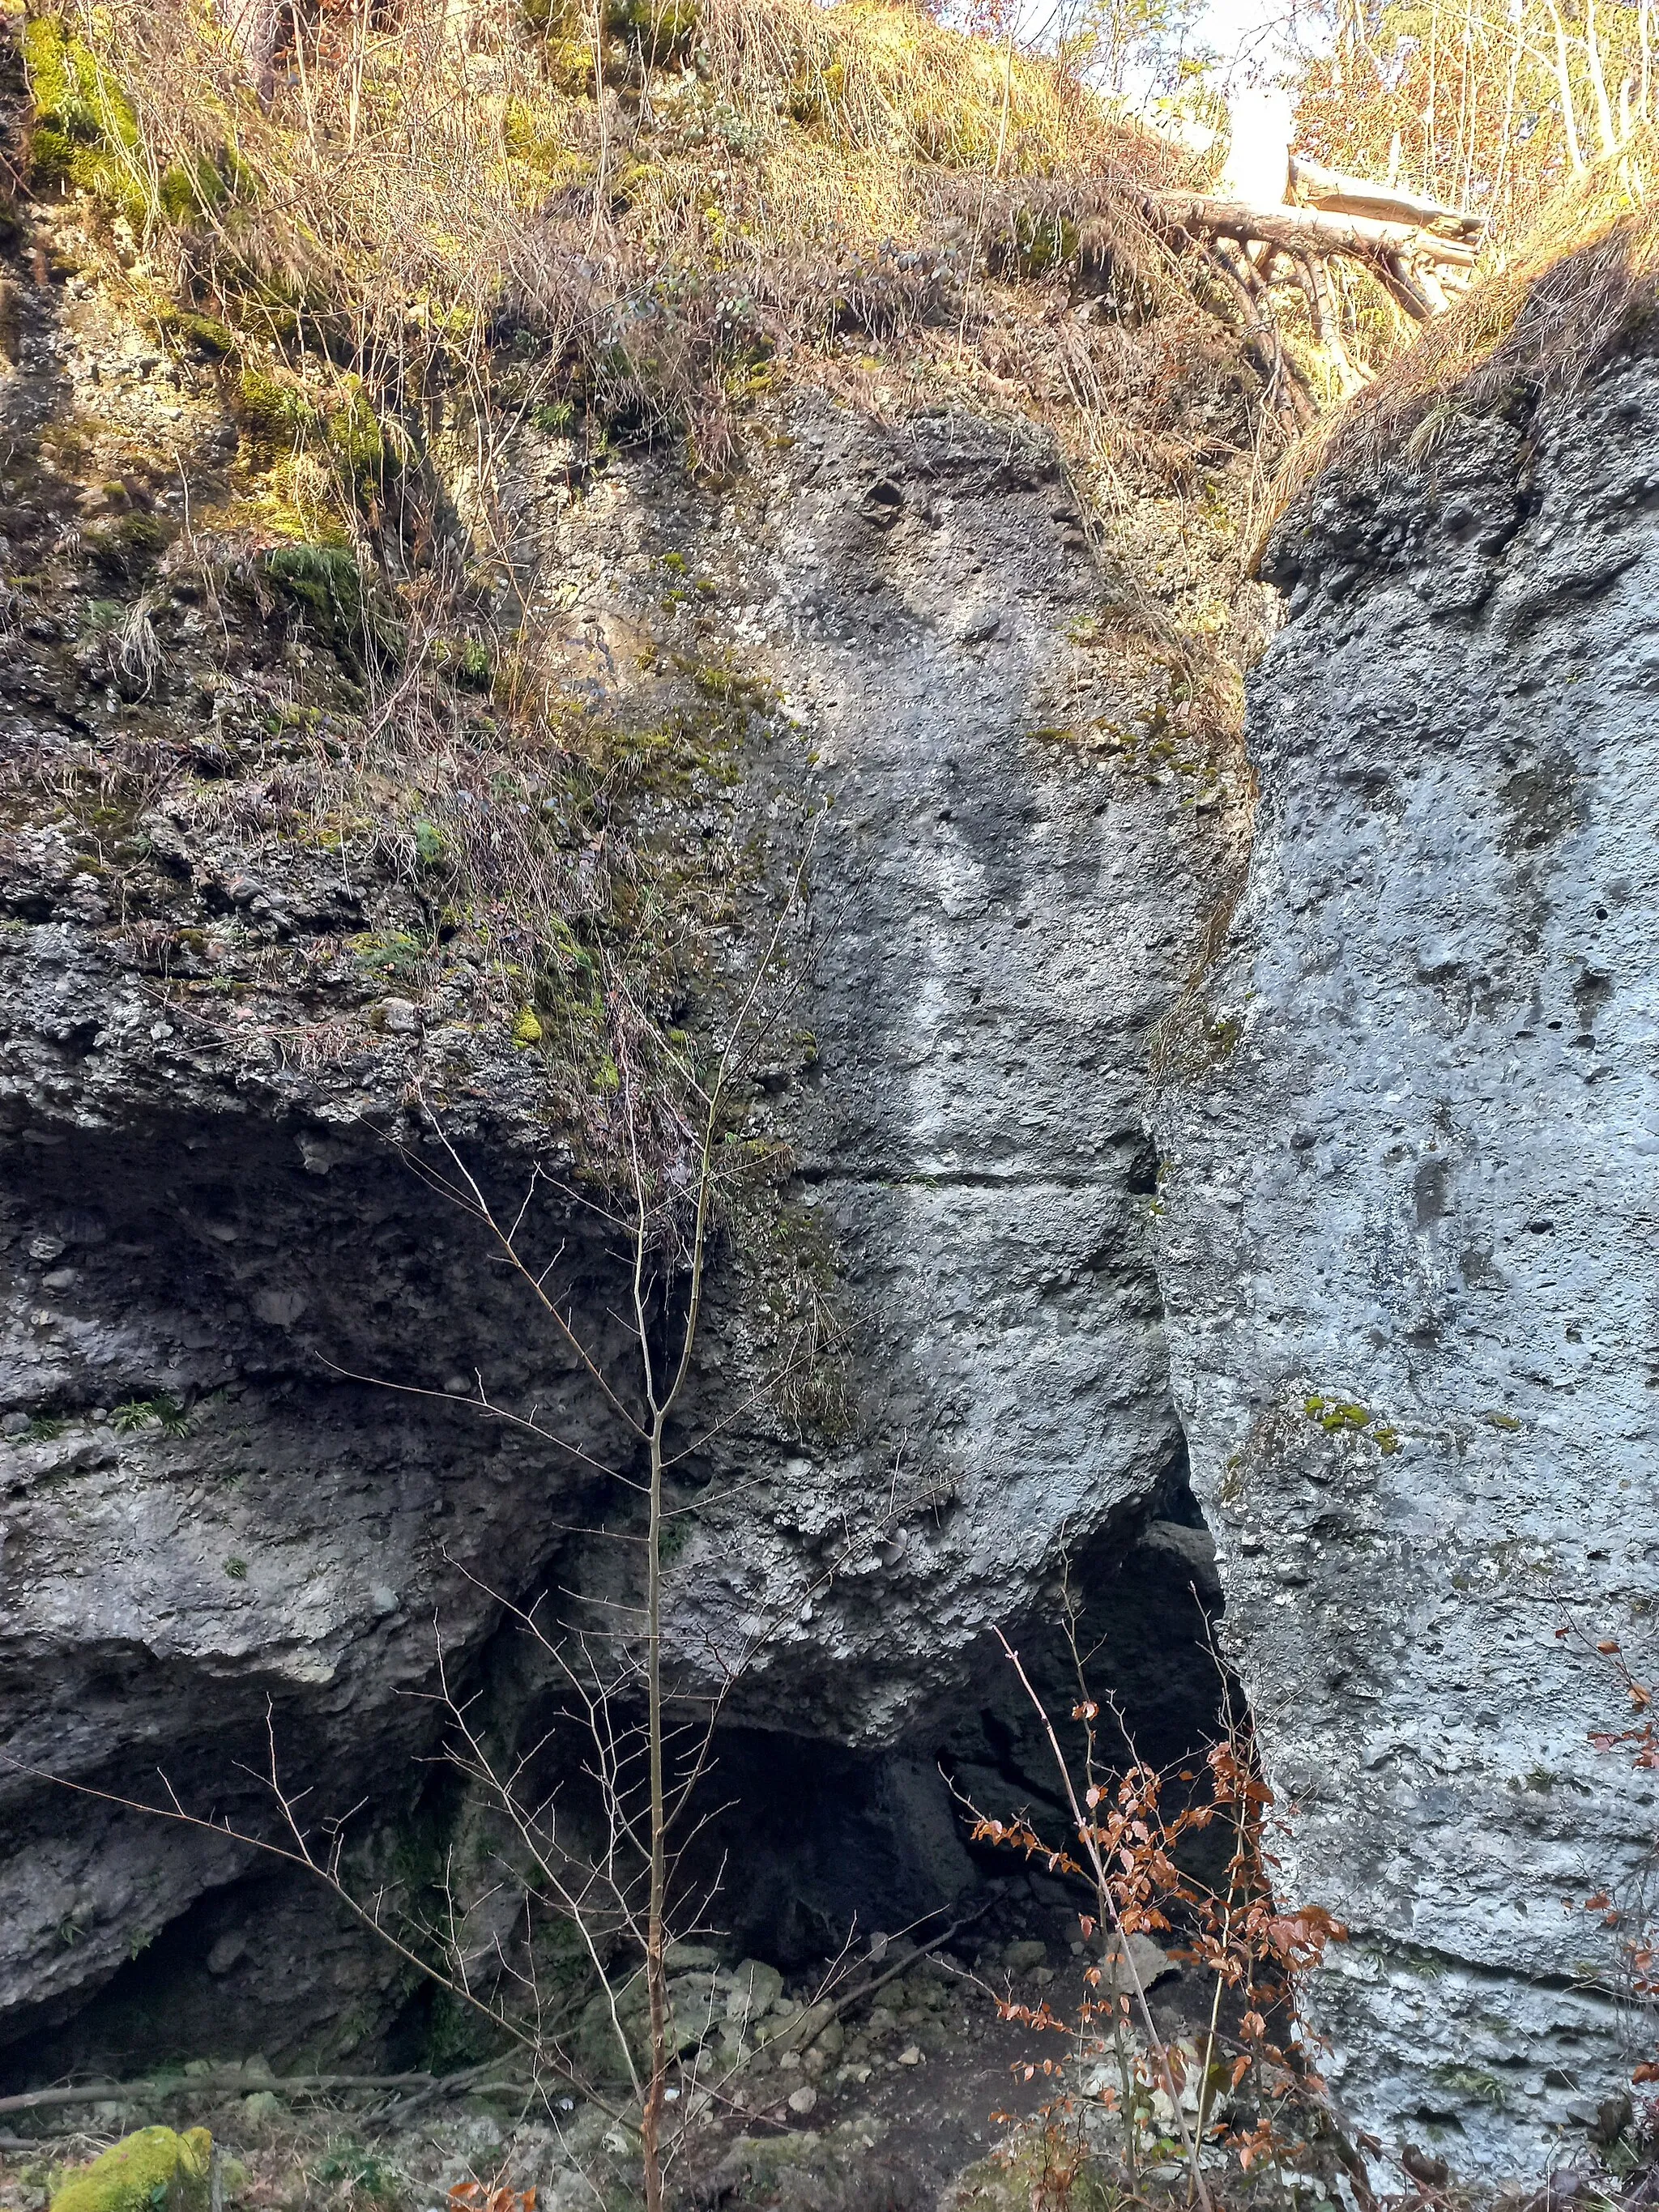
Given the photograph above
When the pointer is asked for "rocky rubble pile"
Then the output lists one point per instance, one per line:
(826, 2092)
(748, 2045)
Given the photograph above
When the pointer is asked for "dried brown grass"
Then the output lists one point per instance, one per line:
(449, 228)
(818, 169)
(446, 224)
(450, 225)
(1538, 325)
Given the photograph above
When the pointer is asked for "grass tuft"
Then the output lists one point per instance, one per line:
(1577, 284)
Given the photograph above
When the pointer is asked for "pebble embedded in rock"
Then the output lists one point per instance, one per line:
(758, 1988)
(682, 1958)
(1151, 1964)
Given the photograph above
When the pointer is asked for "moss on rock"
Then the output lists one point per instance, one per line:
(326, 583)
(153, 2171)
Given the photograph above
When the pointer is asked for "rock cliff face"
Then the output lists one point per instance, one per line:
(1391, 1284)
(999, 923)
(1408, 1255)
(208, 1220)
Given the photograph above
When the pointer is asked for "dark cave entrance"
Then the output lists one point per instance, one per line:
(836, 1843)
(818, 1840)
(816, 1846)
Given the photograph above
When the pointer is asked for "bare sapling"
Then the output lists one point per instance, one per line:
(1251, 2060)
(649, 1741)
(667, 1261)
(1103, 1841)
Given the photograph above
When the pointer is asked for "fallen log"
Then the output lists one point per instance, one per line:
(100, 2093)
(1307, 230)
(1330, 189)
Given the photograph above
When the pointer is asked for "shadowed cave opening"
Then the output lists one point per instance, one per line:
(816, 1845)
(837, 1843)
(211, 1264)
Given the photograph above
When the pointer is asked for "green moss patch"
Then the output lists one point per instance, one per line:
(128, 548)
(153, 2171)
(84, 122)
(326, 585)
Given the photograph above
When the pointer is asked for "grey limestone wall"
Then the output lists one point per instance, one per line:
(192, 1214)
(1409, 1258)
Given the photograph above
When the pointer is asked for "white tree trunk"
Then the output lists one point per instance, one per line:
(253, 26)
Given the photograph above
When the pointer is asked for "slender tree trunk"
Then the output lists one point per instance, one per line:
(1598, 82)
(602, 115)
(1564, 78)
(1511, 82)
(253, 26)
(359, 35)
(655, 1976)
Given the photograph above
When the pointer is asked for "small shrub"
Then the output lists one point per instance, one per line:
(1247, 2082)
(389, 956)
(466, 661)
(355, 2176)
